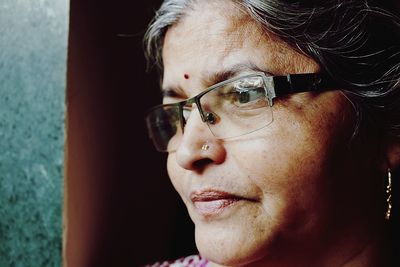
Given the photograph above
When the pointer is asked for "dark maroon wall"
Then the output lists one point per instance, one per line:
(122, 209)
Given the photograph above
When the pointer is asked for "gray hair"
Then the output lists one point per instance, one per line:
(356, 43)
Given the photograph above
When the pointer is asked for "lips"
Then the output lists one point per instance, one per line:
(212, 202)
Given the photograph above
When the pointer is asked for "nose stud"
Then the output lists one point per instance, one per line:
(205, 147)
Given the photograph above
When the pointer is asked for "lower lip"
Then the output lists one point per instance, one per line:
(213, 207)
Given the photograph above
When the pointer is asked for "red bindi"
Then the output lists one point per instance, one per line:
(186, 76)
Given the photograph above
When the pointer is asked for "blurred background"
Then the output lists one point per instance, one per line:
(122, 209)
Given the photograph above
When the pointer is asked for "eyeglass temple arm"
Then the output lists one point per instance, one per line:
(297, 83)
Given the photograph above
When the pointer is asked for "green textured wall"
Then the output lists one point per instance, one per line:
(33, 50)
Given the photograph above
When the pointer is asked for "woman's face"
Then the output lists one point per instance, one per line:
(278, 193)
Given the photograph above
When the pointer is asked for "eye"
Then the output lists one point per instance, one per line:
(248, 95)
(247, 92)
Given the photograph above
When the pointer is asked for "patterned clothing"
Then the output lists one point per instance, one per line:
(190, 261)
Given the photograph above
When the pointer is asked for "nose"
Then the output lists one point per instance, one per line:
(199, 147)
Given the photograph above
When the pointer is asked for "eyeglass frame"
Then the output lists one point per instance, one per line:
(275, 86)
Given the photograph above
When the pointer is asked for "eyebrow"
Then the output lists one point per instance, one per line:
(217, 77)
(230, 72)
(171, 91)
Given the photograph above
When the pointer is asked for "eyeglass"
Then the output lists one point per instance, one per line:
(231, 108)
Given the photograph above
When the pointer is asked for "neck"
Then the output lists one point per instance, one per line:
(369, 254)
(376, 251)
(357, 248)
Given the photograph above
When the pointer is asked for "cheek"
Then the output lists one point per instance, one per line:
(293, 160)
(172, 168)
(281, 170)
(286, 152)
(287, 187)
(175, 173)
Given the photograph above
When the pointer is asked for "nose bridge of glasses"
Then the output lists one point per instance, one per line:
(195, 126)
(190, 104)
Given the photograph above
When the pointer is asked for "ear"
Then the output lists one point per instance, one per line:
(392, 154)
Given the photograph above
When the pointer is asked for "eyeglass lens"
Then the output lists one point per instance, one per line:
(232, 109)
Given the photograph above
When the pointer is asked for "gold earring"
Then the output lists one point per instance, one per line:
(389, 195)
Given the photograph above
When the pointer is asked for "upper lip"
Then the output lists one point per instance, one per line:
(212, 195)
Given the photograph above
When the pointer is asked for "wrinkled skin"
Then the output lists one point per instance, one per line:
(310, 197)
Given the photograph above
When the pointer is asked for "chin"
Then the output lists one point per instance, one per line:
(228, 248)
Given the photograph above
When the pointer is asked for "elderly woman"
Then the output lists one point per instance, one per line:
(281, 120)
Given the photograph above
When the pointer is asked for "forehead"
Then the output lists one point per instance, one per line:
(215, 18)
(212, 26)
(215, 35)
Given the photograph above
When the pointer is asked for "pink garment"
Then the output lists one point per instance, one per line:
(190, 261)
